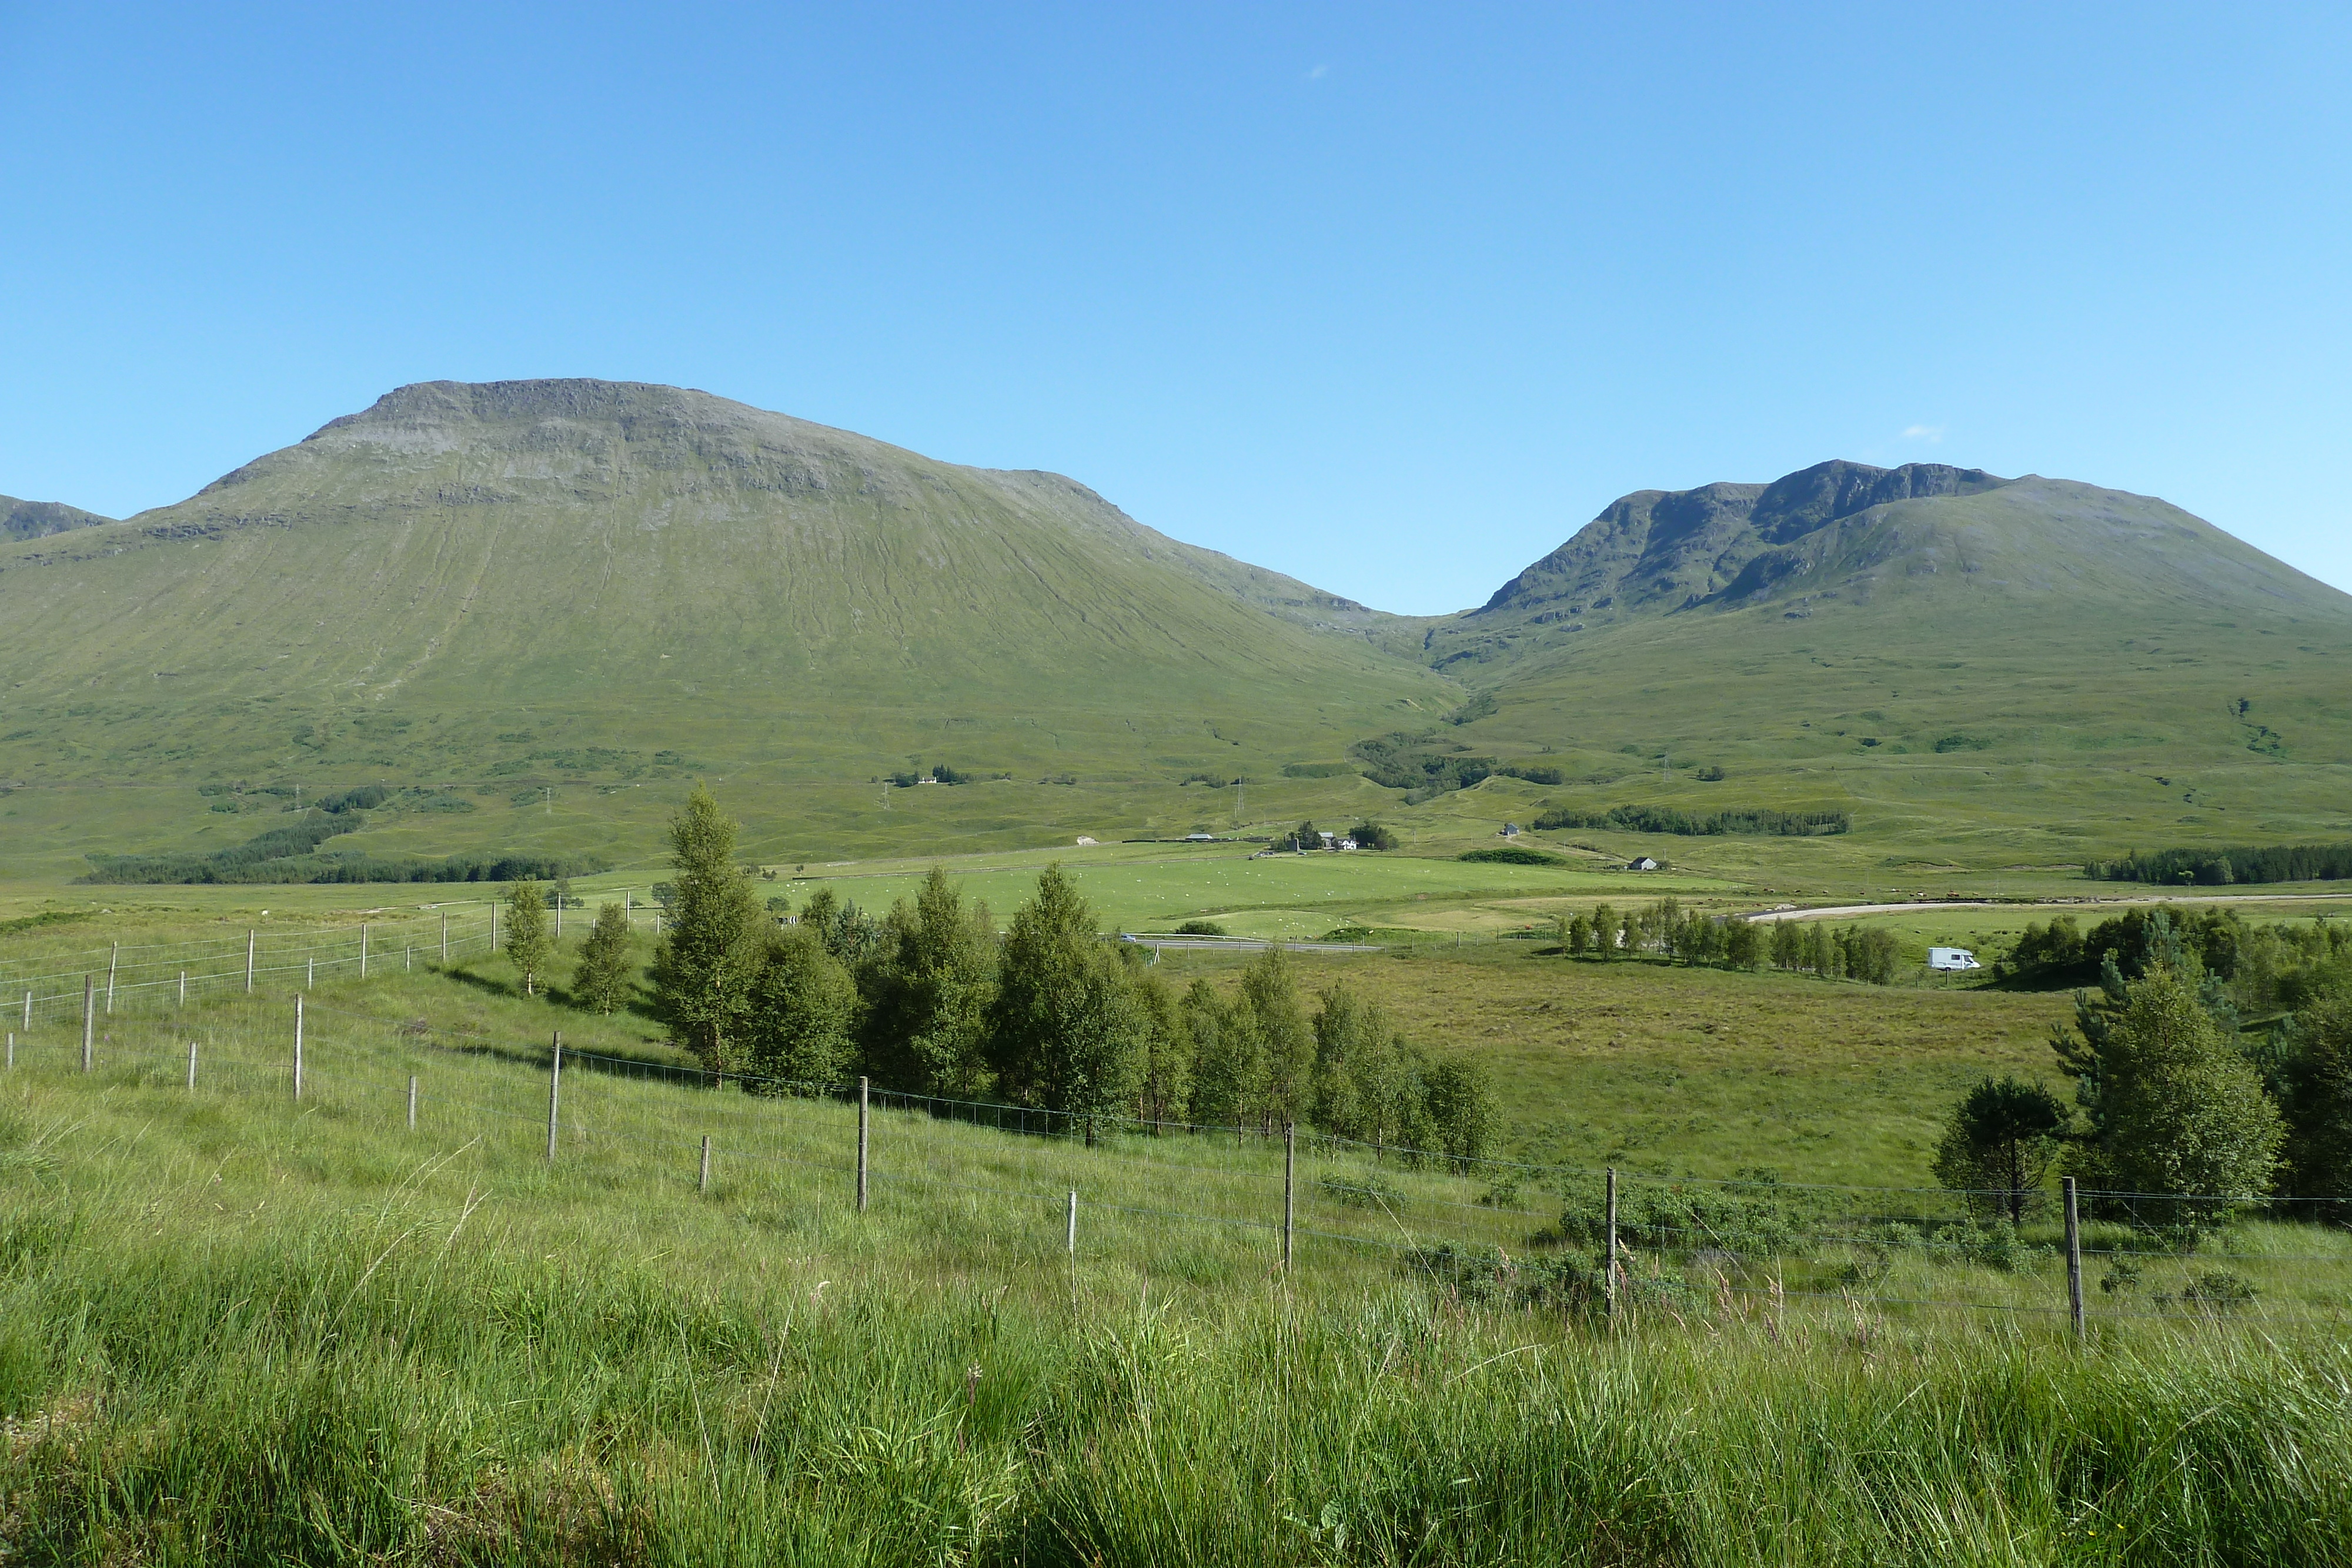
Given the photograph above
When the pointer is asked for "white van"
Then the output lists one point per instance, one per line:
(1952, 959)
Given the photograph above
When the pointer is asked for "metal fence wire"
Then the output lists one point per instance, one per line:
(1487, 1232)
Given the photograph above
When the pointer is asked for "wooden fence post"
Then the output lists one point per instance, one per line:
(183, 988)
(554, 1087)
(192, 1062)
(2073, 1261)
(1609, 1258)
(113, 954)
(248, 963)
(310, 971)
(364, 947)
(411, 1102)
(28, 1012)
(861, 1145)
(1289, 1186)
(493, 925)
(444, 937)
(88, 1021)
(1070, 1240)
(298, 1045)
(703, 1186)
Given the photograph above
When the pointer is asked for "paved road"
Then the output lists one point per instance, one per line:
(1247, 944)
(1846, 911)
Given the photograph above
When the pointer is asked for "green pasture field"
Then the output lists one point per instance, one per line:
(1991, 825)
(1645, 1064)
(234, 1327)
(1641, 1063)
(1136, 887)
(1132, 886)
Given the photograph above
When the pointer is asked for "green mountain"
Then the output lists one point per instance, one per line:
(39, 519)
(2033, 662)
(587, 583)
(525, 615)
(1847, 533)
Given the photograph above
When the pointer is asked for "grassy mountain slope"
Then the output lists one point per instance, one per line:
(39, 519)
(549, 604)
(610, 584)
(1961, 660)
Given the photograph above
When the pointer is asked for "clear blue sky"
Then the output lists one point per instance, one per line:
(1393, 298)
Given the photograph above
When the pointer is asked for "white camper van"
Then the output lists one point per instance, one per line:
(1952, 959)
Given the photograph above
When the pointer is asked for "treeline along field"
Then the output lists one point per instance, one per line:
(2223, 867)
(1699, 824)
(291, 853)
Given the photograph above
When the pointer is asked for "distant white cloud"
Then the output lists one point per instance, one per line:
(1318, 73)
(1930, 434)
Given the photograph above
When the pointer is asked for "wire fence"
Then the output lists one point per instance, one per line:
(1486, 1232)
(121, 977)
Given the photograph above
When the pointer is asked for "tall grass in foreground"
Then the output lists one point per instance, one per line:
(232, 1334)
